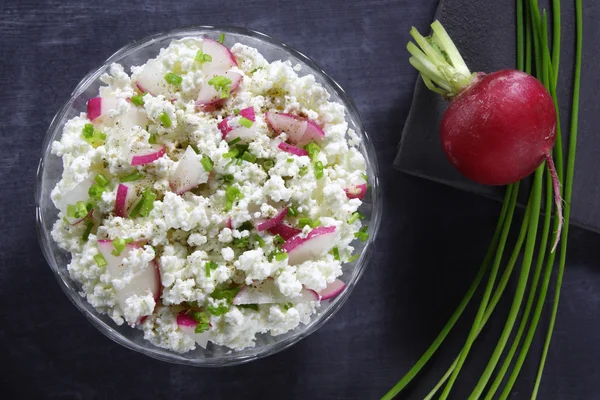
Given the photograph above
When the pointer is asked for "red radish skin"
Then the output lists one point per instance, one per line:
(292, 125)
(356, 191)
(319, 241)
(183, 319)
(332, 290)
(499, 129)
(285, 231)
(288, 148)
(248, 113)
(209, 96)
(151, 156)
(270, 223)
(94, 108)
(313, 133)
(121, 201)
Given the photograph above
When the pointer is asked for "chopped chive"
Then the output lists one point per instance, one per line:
(88, 229)
(119, 245)
(207, 164)
(227, 294)
(278, 240)
(246, 122)
(233, 153)
(236, 111)
(246, 226)
(221, 38)
(287, 306)
(228, 178)
(228, 205)
(248, 157)
(202, 57)
(235, 141)
(173, 79)
(304, 221)
(318, 170)
(217, 311)
(195, 148)
(134, 176)
(336, 253)
(281, 256)
(356, 215)
(268, 164)
(221, 84)
(101, 180)
(292, 211)
(303, 170)
(71, 210)
(88, 131)
(352, 258)
(80, 209)
(203, 321)
(165, 120)
(100, 260)
(152, 138)
(241, 242)
(148, 202)
(137, 100)
(209, 265)
(290, 159)
(259, 240)
(95, 191)
(250, 306)
(315, 223)
(313, 149)
(362, 234)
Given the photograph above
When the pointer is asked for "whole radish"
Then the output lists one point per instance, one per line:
(499, 127)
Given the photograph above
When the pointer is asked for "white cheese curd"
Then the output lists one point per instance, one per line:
(172, 244)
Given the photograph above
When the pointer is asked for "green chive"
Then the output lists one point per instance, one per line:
(268, 164)
(228, 178)
(248, 157)
(217, 311)
(88, 131)
(356, 215)
(313, 149)
(292, 211)
(221, 38)
(236, 111)
(233, 153)
(287, 306)
(134, 176)
(246, 122)
(80, 209)
(259, 240)
(95, 191)
(352, 258)
(207, 164)
(303, 171)
(221, 84)
(246, 226)
(100, 260)
(101, 180)
(362, 234)
(208, 266)
(88, 229)
(227, 294)
(148, 202)
(235, 141)
(137, 100)
(315, 223)
(281, 256)
(278, 240)
(119, 245)
(250, 306)
(173, 79)
(318, 170)
(152, 138)
(165, 120)
(304, 221)
(336, 253)
(71, 210)
(202, 57)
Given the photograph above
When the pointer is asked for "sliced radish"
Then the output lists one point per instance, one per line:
(152, 80)
(285, 231)
(99, 106)
(293, 126)
(189, 172)
(229, 224)
(222, 58)
(208, 95)
(224, 126)
(78, 193)
(248, 113)
(288, 148)
(187, 324)
(126, 196)
(266, 292)
(319, 241)
(333, 289)
(270, 223)
(145, 281)
(148, 156)
(312, 133)
(356, 191)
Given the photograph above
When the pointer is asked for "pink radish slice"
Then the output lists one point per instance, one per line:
(285, 231)
(288, 148)
(293, 126)
(356, 191)
(333, 289)
(229, 224)
(208, 95)
(276, 220)
(312, 133)
(143, 282)
(266, 292)
(153, 154)
(248, 113)
(319, 241)
(222, 58)
(187, 324)
(224, 126)
(99, 106)
(121, 200)
(189, 172)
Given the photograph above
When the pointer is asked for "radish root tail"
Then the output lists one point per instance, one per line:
(557, 199)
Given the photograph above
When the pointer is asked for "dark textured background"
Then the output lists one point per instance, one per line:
(431, 241)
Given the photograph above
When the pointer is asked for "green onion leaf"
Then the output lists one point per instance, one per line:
(281, 256)
(246, 226)
(100, 260)
(236, 111)
(268, 164)
(278, 240)
(246, 122)
(207, 164)
(134, 176)
(71, 210)
(137, 100)
(303, 171)
(88, 229)
(248, 157)
(88, 131)
(152, 138)
(235, 141)
(119, 244)
(318, 170)
(221, 84)
(287, 306)
(208, 266)
(217, 311)
(352, 258)
(228, 178)
(292, 211)
(304, 221)
(221, 38)
(362, 234)
(165, 120)
(101, 180)
(202, 57)
(227, 294)
(313, 149)
(250, 306)
(356, 215)
(95, 191)
(259, 240)
(336, 253)
(173, 79)
(233, 153)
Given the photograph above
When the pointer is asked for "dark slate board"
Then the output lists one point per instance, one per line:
(485, 34)
(431, 241)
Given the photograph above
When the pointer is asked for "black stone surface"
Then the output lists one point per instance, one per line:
(431, 241)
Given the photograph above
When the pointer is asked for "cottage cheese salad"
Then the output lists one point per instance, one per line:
(209, 196)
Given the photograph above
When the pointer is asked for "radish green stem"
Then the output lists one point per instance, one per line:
(497, 293)
(526, 265)
(520, 50)
(504, 213)
(484, 301)
(568, 188)
(555, 40)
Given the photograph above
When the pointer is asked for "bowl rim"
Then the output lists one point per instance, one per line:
(167, 355)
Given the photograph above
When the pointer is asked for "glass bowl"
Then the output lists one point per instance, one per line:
(50, 171)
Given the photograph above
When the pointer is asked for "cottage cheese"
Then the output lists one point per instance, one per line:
(183, 232)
